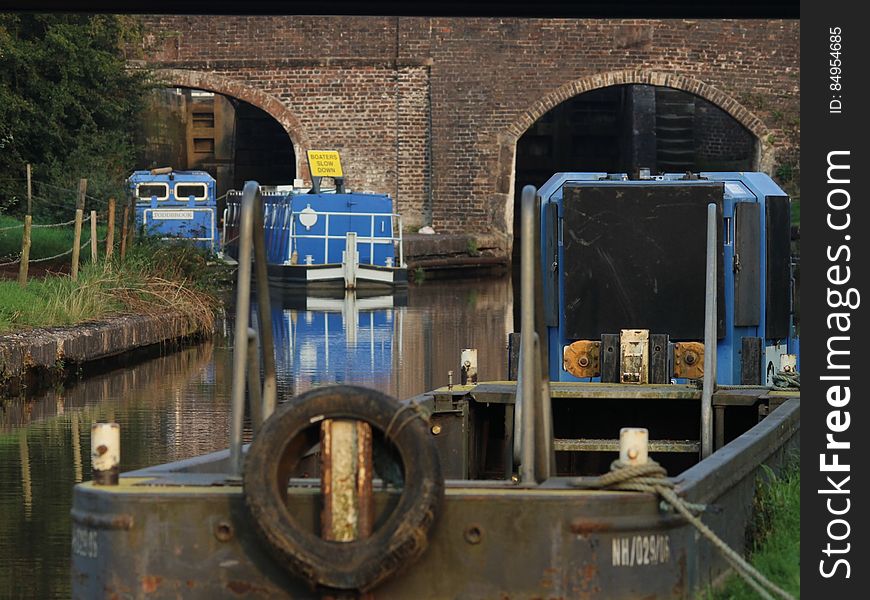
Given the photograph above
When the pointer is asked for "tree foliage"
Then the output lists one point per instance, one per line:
(69, 105)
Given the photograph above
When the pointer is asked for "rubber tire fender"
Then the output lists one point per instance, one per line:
(402, 538)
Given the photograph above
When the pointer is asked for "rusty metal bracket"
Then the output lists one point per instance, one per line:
(582, 358)
(634, 356)
(688, 360)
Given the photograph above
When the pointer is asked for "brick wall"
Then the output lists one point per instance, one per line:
(429, 109)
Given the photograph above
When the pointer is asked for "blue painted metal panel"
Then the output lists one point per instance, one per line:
(335, 215)
(738, 187)
(169, 214)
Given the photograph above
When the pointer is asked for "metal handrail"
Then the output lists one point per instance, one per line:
(371, 239)
(231, 216)
(251, 233)
(710, 337)
(527, 383)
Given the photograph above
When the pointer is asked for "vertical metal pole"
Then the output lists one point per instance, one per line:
(264, 308)
(527, 343)
(254, 397)
(243, 310)
(710, 337)
(401, 249)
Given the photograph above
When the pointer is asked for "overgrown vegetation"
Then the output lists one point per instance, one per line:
(154, 279)
(69, 106)
(775, 537)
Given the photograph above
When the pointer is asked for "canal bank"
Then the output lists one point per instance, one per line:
(444, 256)
(33, 359)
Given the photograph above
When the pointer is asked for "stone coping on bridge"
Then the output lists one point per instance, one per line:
(36, 355)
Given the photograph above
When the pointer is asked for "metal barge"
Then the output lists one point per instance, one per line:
(322, 241)
(496, 494)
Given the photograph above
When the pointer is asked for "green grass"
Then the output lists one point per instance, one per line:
(776, 537)
(44, 242)
(154, 278)
(795, 211)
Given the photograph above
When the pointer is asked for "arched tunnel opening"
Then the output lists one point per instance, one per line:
(233, 140)
(620, 129)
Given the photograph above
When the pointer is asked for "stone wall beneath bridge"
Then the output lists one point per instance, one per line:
(430, 109)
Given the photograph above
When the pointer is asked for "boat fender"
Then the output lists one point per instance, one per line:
(403, 536)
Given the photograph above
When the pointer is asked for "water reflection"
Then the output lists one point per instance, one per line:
(335, 340)
(177, 406)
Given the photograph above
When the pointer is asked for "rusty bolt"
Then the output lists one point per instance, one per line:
(436, 429)
(473, 534)
(223, 531)
(632, 453)
(102, 449)
(691, 358)
(583, 361)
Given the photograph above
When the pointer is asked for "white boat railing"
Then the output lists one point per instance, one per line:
(371, 239)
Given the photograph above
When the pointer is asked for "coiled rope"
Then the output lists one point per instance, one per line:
(787, 380)
(652, 477)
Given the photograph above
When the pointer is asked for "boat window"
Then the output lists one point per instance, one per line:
(146, 191)
(184, 191)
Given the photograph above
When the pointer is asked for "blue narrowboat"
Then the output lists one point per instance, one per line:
(177, 205)
(319, 241)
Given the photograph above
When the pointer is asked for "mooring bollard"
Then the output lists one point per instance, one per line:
(633, 445)
(468, 366)
(105, 453)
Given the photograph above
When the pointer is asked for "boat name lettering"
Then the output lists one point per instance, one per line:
(84, 542)
(641, 550)
(172, 214)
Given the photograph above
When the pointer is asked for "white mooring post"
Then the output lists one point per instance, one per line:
(105, 453)
(468, 367)
(350, 260)
(633, 446)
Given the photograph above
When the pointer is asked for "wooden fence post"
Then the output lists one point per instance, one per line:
(124, 230)
(110, 231)
(93, 236)
(25, 237)
(25, 252)
(77, 236)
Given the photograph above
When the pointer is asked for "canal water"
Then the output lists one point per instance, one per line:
(177, 406)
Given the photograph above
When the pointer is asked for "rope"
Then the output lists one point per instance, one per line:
(652, 477)
(787, 380)
(43, 226)
(47, 258)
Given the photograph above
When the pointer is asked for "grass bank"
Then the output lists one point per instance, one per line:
(44, 241)
(153, 279)
(776, 537)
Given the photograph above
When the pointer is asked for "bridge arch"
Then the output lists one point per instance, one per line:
(764, 150)
(213, 82)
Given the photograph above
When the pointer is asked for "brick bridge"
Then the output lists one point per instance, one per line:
(430, 109)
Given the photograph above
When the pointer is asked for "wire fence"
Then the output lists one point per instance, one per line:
(47, 200)
(82, 246)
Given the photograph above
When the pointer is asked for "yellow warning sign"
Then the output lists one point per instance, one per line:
(324, 163)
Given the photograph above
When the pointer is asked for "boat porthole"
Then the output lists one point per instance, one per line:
(473, 534)
(223, 531)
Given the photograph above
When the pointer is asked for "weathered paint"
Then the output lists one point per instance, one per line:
(494, 539)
